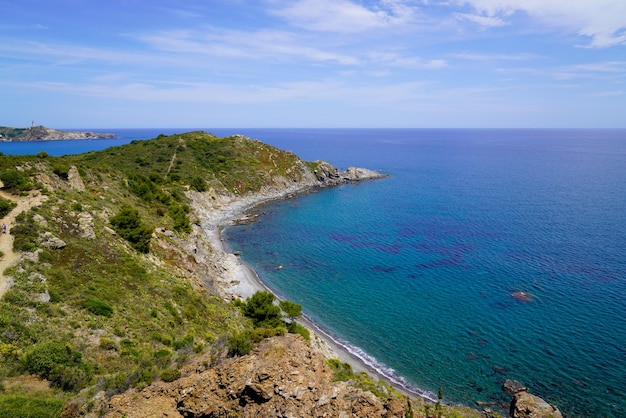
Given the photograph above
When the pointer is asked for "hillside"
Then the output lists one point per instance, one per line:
(118, 302)
(41, 133)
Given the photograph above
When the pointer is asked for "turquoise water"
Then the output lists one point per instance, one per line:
(415, 272)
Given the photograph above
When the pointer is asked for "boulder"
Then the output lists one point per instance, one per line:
(527, 405)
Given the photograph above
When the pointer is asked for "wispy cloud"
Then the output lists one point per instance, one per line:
(398, 60)
(606, 69)
(481, 20)
(345, 16)
(604, 21)
(272, 44)
(472, 56)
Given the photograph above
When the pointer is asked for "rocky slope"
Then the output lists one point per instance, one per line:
(282, 377)
(41, 133)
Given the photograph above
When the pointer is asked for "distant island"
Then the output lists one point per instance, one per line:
(41, 133)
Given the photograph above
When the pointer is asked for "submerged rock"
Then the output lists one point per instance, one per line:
(522, 296)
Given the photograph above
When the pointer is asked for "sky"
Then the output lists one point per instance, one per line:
(313, 63)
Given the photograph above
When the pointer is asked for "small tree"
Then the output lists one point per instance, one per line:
(291, 309)
(261, 309)
(128, 224)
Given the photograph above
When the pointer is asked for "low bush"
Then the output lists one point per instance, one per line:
(239, 344)
(128, 224)
(342, 371)
(169, 375)
(59, 363)
(26, 233)
(6, 206)
(61, 169)
(14, 180)
(98, 307)
(295, 328)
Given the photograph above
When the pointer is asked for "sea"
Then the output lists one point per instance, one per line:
(484, 255)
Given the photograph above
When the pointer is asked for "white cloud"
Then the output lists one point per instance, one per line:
(494, 57)
(345, 16)
(484, 21)
(604, 21)
(269, 44)
(600, 70)
(393, 59)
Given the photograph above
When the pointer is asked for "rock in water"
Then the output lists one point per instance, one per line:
(527, 405)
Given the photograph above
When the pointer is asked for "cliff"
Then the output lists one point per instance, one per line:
(41, 133)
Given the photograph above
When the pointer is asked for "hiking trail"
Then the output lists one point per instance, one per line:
(9, 257)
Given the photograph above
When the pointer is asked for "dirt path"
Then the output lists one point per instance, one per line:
(24, 203)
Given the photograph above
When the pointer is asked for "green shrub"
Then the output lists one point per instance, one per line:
(26, 233)
(169, 375)
(144, 378)
(6, 206)
(59, 363)
(187, 341)
(291, 309)
(128, 224)
(261, 309)
(342, 371)
(116, 383)
(14, 180)
(108, 344)
(163, 357)
(239, 344)
(296, 328)
(98, 307)
(61, 169)
(198, 184)
(181, 218)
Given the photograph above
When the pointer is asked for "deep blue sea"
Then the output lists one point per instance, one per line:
(415, 272)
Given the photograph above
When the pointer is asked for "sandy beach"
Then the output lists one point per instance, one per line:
(242, 281)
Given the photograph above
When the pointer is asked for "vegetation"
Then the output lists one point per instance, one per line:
(267, 321)
(26, 406)
(14, 181)
(99, 314)
(129, 225)
(6, 206)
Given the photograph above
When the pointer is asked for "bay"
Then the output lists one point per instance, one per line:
(417, 272)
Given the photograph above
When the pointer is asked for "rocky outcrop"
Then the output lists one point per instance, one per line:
(41, 133)
(328, 175)
(282, 377)
(74, 180)
(527, 405)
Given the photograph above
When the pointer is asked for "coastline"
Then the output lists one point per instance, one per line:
(241, 281)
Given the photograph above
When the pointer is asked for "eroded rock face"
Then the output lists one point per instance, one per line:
(527, 405)
(283, 377)
(74, 179)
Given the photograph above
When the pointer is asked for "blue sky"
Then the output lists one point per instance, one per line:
(313, 63)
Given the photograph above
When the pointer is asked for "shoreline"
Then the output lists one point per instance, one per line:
(243, 281)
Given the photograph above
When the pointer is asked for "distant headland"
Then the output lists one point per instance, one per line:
(41, 133)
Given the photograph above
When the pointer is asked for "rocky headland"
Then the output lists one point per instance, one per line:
(41, 133)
